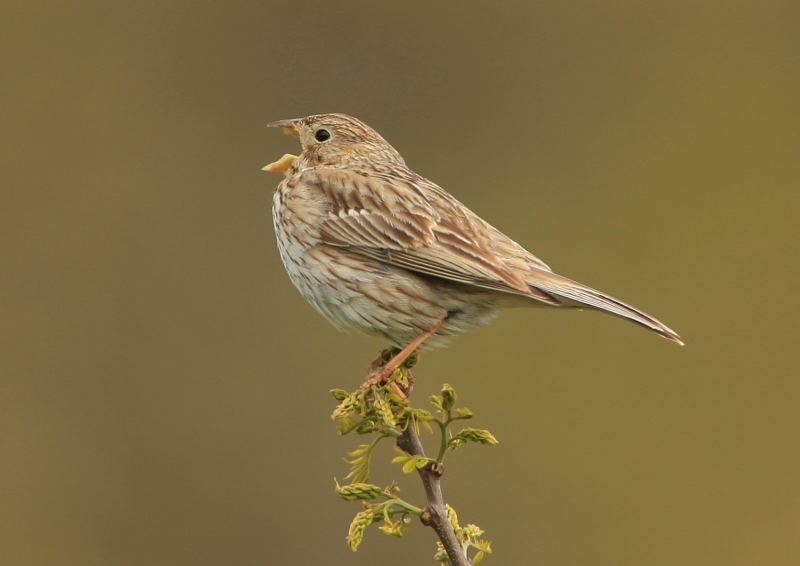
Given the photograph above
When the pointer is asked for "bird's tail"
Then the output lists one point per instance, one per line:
(571, 293)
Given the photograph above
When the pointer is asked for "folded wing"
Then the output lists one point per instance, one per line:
(395, 223)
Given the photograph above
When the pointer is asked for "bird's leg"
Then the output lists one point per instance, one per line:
(383, 373)
(376, 364)
(381, 360)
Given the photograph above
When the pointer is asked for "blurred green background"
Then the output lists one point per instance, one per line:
(163, 395)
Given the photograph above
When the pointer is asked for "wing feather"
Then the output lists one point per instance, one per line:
(408, 225)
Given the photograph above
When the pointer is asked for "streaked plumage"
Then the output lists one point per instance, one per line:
(377, 248)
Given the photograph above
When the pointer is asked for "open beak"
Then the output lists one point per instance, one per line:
(284, 163)
(289, 127)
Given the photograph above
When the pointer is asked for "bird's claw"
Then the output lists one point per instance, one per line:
(379, 374)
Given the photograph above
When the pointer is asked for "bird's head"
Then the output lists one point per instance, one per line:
(333, 140)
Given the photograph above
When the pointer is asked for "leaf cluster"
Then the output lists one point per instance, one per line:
(447, 414)
(469, 537)
(383, 410)
(381, 505)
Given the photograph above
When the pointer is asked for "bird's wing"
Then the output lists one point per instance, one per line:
(395, 220)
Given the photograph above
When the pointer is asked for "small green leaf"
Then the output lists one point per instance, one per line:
(483, 546)
(359, 470)
(401, 456)
(410, 462)
(463, 413)
(339, 394)
(395, 399)
(410, 465)
(417, 416)
(345, 412)
(359, 465)
(360, 451)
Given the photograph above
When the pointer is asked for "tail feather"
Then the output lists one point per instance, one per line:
(571, 293)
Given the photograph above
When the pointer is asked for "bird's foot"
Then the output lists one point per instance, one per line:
(384, 370)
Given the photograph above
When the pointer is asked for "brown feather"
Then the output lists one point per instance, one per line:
(403, 228)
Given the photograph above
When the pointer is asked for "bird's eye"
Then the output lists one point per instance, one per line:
(322, 135)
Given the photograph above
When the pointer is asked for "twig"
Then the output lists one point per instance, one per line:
(434, 514)
(383, 409)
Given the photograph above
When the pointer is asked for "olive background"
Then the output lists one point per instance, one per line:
(164, 389)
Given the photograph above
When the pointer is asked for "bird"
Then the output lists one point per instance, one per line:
(377, 248)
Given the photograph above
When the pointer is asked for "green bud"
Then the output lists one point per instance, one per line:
(346, 407)
(384, 411)
(400, 376)
(441, 555)
(358, 491)
(448, 397)
(395, 528)
(473, 435)
(355, 534)
(472, 531)
(452, 518)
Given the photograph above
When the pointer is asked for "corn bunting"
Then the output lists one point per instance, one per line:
(377, 248)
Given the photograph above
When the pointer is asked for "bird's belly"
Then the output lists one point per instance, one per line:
(365, 296)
